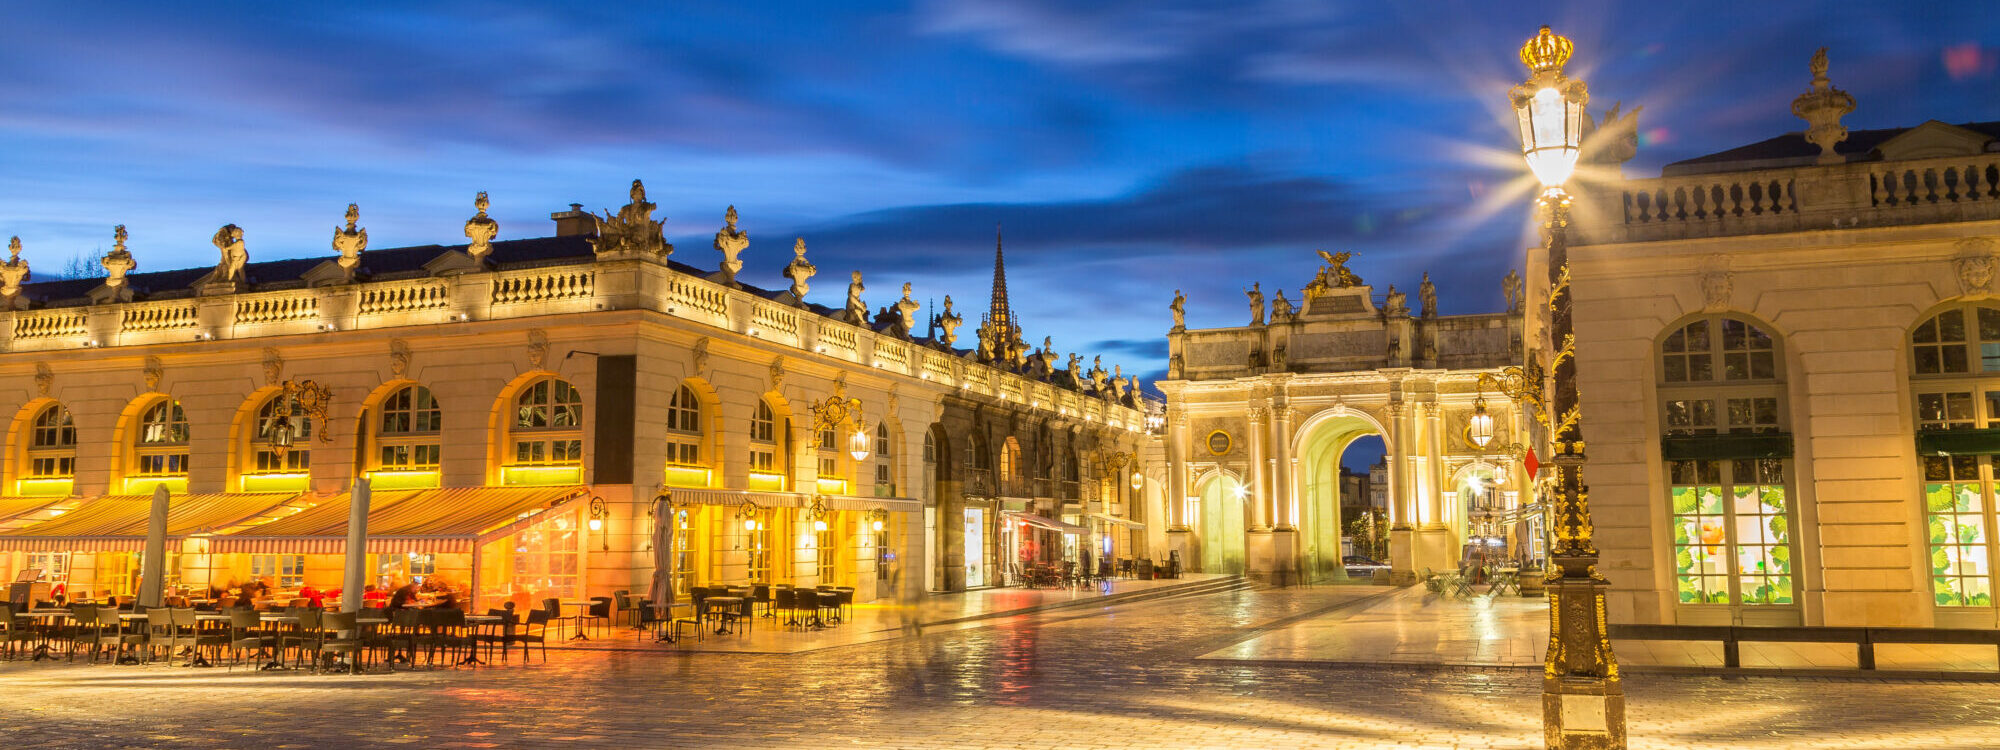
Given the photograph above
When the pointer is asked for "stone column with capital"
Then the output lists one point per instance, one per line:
(1435, 538)
(1284, 531)
(1256, 477)
(1402, 503)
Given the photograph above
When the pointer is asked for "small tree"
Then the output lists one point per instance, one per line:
(80, 266)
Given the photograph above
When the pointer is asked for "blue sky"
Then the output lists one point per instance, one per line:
(1129, 147)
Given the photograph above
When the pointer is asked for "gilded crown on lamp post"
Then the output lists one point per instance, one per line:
(1547, 50)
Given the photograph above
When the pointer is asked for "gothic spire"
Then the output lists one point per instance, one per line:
(1001, 314)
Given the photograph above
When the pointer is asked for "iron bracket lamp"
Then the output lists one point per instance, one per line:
(309, 397)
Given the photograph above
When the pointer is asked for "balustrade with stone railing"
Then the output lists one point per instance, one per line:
(403, 296)
(277, 309)
(544, 285)
(1803, 198)
(839, 337)
(50, 324)
(685, 295)
(159, 317)
(771, 317)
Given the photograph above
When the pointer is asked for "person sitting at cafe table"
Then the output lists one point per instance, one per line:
(371, 596)
(314, 597)
(404, 597)
(447, 600)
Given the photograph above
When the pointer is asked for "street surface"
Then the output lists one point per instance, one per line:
(1123, 676)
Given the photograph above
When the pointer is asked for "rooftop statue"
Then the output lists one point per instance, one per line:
(1427, 297)
(1513, 290)
(633, 230)
(1333, 275)
(949, 321)
(119, 261)
(229, 241)
(800, 271)
(1072, 375)
(1256, 295)
(1117, 383)
(480, 230)
(349, 242)
(1098, 375)
(730, 241)
(1398, 303)
(857, 311)
(12, 274)
(907, 309)
(1180, 311)
(1613, 139)
(1281, 308)
(1821, 108)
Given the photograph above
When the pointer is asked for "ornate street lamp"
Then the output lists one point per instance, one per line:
(837, 410)
(1583, 704)
(1479, 429)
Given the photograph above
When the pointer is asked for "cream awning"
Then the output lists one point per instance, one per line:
(732, 498)
(1044, 522)
(117, 523)
(438, 520)
(1125, 522)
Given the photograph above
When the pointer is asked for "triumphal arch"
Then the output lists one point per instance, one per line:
(1260, 414)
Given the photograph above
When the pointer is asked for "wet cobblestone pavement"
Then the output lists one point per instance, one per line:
(1117, 677)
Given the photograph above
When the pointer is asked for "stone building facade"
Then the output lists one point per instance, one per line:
(523, 401)
(1785, 354)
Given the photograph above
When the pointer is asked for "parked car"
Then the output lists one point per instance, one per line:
(1362, 567)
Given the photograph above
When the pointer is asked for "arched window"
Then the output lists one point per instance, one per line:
(684, 433)
(1010, 459)
(161, 445)
(409, 438)
(279, 445)
(1955, 377)
(930, 447)
(51, 460)
(547, 434)
(1723, 415)
(765, 473)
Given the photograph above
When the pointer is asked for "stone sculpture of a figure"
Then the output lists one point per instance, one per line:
(1072, 372)
(1511, 288)
(857, 311)
(1180, 311)
(907, 308)
(633, 229)
(1281, 308)
(1256, 294)
(800, 270)
(480, 230)
(1427, 297)
(349, 241)
(13, 272)
(1398, 303)
(229, 241)
(119, 261)
(949, 321)
(1097, 374)
(731, 242)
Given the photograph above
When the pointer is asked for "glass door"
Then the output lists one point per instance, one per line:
(975, 547)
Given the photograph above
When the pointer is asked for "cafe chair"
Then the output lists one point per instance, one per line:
(340, 635)
(246, 634)
(536, 631)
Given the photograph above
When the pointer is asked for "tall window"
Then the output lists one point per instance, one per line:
(1010, 459)
(827, 553)
(683, 551)
(548, 424)
(162, 444)
(52, 444)
(410, 435)
(1729, 495)
(1955, 356)
(684, 431)
(763, 440)
(828, 443)
(283, 438)
(757, 545)
(883, 459)
(545, 558)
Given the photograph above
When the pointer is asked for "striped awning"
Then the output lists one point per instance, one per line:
(117, 523)
(437, 520)
(733, 498)
(16, 506)
(1111, 519)
(1044, 522)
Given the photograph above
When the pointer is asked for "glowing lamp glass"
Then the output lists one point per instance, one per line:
(1479, 429)
(1551, 127)
(819, 525)
(877, 525)
(857, 445)
(597, 524)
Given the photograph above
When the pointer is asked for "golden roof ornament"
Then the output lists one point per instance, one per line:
(480, 229)
(1546, 51)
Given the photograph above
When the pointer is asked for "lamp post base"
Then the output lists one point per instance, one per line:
(1583, 700)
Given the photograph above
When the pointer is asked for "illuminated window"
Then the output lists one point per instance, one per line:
(548, 424)
(545, 556)
(683, 532)
(827, 553)
(1955, 356)
(162, 441)
(1010, 459)
(52, 567)
(763, 439)
(282, 438)
(1720, 384)
(409, 437)
(52, 444)
(285, 571)
(758, 548)
(684, 433)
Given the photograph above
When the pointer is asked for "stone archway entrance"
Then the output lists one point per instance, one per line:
(1223, 506)
(1320, 525)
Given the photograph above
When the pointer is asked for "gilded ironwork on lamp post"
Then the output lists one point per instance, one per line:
(1583, 703)
(308, 397)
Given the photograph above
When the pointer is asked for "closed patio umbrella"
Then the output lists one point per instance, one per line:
(153, 573)
(357, 548)
(662, 592)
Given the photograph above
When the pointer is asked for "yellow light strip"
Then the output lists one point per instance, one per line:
(46, 487)
(767, 481)
(531, 476)
(689, 476)
(405, 480)
(145, 485)
(282, 482)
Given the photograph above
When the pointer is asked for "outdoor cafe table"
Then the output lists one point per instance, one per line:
(48, 618)
(725, 604)
(582, 613)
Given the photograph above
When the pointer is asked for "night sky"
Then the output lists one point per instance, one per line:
(1129, 148)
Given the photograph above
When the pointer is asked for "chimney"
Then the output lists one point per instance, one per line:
(575, 222)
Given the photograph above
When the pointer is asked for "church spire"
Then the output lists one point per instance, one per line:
(1001, 314)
